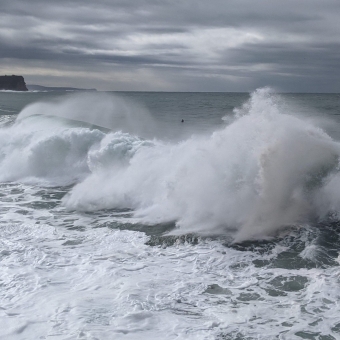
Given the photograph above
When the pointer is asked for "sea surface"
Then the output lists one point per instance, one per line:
(120, 221)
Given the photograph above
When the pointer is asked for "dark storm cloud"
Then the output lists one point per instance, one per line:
(173, 45)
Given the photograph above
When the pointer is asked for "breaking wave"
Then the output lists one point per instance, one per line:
(261, 171)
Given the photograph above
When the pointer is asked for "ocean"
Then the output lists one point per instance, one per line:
(140, 215)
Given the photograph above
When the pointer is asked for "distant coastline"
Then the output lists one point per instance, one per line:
(50, 88)
(17, 83)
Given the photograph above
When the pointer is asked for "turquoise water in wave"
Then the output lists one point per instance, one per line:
(118, 221)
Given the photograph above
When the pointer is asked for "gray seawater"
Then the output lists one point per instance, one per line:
(118, 221)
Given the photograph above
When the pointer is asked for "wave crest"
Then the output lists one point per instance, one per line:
(264, 170)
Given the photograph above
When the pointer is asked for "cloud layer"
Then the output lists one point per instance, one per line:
(172, 45)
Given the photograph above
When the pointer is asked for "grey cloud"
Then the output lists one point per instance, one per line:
(215, 45)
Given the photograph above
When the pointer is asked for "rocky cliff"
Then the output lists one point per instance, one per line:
(14, 83)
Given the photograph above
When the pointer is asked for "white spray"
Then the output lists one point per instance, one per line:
(265, 170)
(256, 175)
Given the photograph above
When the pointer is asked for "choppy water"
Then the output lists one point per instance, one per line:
(117, 221)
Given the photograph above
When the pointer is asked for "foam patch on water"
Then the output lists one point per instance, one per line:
(109, 283)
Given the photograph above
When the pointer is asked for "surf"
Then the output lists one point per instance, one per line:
(265, 168)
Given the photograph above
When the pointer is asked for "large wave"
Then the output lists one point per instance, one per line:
(264, 170)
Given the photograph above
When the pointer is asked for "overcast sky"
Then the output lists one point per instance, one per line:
(172, 45)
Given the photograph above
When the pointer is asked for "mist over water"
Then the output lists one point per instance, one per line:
(98, 109)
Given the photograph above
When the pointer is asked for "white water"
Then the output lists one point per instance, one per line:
(108, 284)
(264, 170)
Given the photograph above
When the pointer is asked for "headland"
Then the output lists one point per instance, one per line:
(13, 83)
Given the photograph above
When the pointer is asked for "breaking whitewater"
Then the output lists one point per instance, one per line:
(120, 221)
